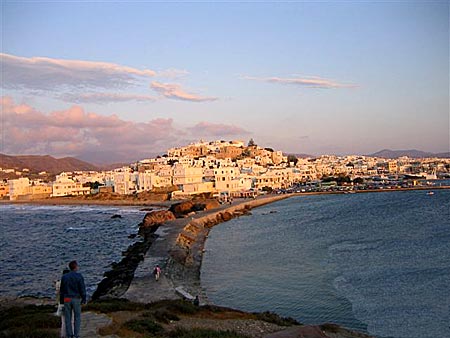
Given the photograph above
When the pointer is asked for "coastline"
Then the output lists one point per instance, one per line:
(158, 203)
(178, 249)
(178, 246)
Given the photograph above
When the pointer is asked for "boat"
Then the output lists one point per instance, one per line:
(430, 193)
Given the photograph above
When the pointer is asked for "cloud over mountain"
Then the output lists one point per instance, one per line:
(75, 131)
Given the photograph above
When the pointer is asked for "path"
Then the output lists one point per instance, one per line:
(143, 287)
(91, 322)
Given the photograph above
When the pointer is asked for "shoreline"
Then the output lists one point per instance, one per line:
(76, 201)
(177, 246)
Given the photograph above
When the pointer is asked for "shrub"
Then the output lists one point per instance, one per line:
(203, 333)
(30, 333)
(162, 316)
(114, 305)
(37, 317)
(182, 307)
(143, 326)
(273, 318)
(330, 327)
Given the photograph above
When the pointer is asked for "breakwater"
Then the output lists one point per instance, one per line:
(176, 245)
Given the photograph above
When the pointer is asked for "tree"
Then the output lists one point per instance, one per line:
(358, 180)
(251, 143)
(292, 158)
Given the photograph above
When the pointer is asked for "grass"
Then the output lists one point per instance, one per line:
(330, 327)
(271, 317)
(155, 319)
(161, 316)
(114, 305)
(203, 333)
(144, 326)
(31, 321)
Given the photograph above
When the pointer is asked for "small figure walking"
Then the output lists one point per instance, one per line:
(157, 272)
(196, 301)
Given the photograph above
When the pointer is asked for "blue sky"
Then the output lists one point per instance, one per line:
(377, 75)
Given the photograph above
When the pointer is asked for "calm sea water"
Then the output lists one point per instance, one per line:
(37, 242)
(375, 262)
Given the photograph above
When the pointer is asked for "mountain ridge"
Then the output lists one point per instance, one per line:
(412, 153)
(47, 163)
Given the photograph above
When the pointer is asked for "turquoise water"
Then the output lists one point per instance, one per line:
(376, 262)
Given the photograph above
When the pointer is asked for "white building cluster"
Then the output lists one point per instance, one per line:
(217, 167)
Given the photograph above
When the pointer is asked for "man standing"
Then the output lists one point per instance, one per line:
(73, 292)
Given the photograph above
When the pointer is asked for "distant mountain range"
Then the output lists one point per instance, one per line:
(52, 165)
(38, 163)
(412, 153)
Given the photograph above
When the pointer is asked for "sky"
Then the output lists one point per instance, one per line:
(119, 81)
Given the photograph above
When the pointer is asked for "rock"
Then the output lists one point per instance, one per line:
(156, 217)
(208, 204)
(182, 208)
(116, 216)
(146, 209)
(226, 216)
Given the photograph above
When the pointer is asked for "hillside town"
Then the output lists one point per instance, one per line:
(230, 169)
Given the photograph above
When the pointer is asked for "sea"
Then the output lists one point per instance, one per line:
(37, 242)
(375, 262)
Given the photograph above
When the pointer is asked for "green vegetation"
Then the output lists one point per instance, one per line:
(251, 143)
(144, 326)
(273, 318)
(114, 305)
(267, 189)
(292, 158)
(30, 321)
(358, 180)
(203, 333)
(162, 316)
(330, 327)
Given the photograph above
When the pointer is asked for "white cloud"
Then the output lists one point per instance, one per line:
(42, 73)
(311, 81)
(175, 91)
(106, 97)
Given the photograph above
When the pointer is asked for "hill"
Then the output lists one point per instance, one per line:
(38, 163)
(412, 153)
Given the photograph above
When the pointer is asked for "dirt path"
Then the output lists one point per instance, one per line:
(91, 322)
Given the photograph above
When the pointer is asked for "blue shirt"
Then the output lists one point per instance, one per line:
(72, 286)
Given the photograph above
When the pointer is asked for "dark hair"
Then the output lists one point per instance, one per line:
(73, 265)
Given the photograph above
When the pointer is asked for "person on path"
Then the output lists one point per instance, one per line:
(157, 272)
(196, 301)
(60, 302)
(73, 294)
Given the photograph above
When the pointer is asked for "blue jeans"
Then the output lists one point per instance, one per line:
(75, 306)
